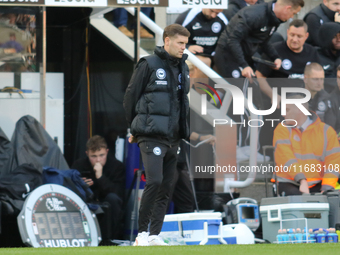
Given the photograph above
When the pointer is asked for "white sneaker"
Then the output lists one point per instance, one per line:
(156, 240)
(142, 239)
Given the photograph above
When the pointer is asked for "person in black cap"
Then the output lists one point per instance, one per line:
(328, 11)
(329, 52)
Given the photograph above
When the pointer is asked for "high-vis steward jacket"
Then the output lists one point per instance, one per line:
(313, 154)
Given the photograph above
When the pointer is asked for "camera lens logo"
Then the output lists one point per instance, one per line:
(207, 91)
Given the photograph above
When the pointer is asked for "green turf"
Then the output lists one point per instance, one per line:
(258, 249)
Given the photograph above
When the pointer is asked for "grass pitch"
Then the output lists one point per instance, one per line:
(258, 249)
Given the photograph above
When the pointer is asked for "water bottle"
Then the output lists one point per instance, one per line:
(311, 236)
(327, 235)
(320, 236)
(291, 235)
(128, 133)
(304, 235)
(279, 237)
(298, 236)
(284, 236)
(332, 236)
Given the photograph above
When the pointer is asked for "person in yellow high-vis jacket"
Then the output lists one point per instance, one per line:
(307, 156)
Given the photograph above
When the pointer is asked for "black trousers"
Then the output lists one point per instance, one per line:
(225, 64)
(182, 194)
(160, 165)
(289, 189)
(110, 221)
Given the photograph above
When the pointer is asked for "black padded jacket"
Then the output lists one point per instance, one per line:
(156, 102)
(249, 31)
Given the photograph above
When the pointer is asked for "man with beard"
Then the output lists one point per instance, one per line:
(205, 27)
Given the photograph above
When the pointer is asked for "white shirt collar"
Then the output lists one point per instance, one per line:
(305, 125)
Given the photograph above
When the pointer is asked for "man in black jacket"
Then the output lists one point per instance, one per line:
(156, 106)
(235, 5)
(106, 177)
(330, 52)
(249, 31)
(205, 27)
(328, 11)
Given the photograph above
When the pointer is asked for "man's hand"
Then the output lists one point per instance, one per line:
(132, 139)
(278, 63)
(212, 139)
(248, 73)
(88, 181)
(98, 170)
(337, 17)
(304, 187)
(196, 49)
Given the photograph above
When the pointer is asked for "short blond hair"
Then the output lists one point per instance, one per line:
(312, 66)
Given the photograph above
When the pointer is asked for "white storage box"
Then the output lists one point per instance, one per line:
(238, 234)
(196, 228)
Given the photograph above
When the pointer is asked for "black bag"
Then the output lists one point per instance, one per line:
(17, 185)
(6, 153)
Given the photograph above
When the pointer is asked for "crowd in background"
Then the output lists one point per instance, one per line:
(18, 38)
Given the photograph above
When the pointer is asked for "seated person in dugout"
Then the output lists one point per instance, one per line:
(205, 27)
(326, 107)
(307, 153)
(106, 177)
